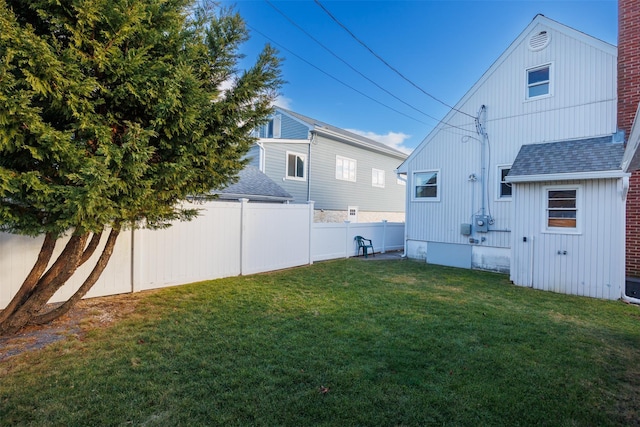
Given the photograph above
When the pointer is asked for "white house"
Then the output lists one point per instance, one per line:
(524, 174)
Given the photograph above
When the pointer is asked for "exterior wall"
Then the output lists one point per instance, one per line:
(330, 193)
(341, 216)
(253, 155)
(582, 104)
(628, 99)
(276, 168)
(590, 262)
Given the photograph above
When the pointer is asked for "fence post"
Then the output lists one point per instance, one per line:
(243, 234)
(384, 236)
(346, 239)
(311, 211)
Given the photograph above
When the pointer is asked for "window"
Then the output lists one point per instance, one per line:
(426, 185)
(345, 169)
(562, 208)
(295, 166)
(504, 190)
(272, 128)
(538, 81)
(377, 178)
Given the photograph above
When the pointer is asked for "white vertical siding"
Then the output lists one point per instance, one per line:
(594, 262)
(583, 104)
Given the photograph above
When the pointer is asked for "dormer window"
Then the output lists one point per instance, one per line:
(539, 82)
(272, 128)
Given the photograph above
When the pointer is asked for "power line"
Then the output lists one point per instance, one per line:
(438, 121)
(385, 62)
(333, 77)
(346, 63)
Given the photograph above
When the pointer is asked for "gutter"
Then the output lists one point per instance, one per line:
(571, 176)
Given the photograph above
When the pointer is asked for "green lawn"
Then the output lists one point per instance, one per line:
(342, 343)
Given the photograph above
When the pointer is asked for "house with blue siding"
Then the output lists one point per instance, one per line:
(524, 175)
(347, 176)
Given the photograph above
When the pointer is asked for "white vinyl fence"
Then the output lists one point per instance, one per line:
(227, 239)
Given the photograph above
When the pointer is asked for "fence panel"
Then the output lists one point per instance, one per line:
(227, 239)
(336, 240)
(274, 237)
(208, 247)
(19, 253)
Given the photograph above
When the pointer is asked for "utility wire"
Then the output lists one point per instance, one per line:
(335, 78)
(346, 63)
(385, 62)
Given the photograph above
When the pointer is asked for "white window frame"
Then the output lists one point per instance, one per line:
(549, 82)
(438, 186)
(304, 166)
(578, 208)
(499, 197)
(340, 172)
(377, 178)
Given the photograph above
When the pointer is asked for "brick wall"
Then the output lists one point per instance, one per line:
(628, 99)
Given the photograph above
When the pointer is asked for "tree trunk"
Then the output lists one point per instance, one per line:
(31, 281)
(101, 264)
(33, 300)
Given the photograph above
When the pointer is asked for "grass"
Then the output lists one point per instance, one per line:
(342, 343)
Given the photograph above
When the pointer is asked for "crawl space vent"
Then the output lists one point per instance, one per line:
(539, 40)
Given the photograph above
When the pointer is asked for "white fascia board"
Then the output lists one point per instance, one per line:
(283, 141)
(358, 142)
(631, 158)
(574, 176)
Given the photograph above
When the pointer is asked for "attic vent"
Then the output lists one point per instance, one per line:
(539, 40)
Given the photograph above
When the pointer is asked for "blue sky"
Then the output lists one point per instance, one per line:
(442, 47)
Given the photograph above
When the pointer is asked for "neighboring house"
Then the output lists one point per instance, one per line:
(347, 176)
(524, 174)
(254, 186)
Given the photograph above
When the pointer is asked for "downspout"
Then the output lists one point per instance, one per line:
(483, 135)
(406, 210)
(261, 157)
(312, 140)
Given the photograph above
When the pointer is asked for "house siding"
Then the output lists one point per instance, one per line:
(293, 129)
(276, 168)
(590, 263)
(333, 194)
(582, 104)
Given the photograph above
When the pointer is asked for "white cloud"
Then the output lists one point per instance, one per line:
(283, 102)
(392, 139)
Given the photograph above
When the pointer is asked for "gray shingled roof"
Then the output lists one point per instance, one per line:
(575, 156)
(255, 186)
(320, 124)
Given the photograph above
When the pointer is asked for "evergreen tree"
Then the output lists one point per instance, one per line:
(112, 112)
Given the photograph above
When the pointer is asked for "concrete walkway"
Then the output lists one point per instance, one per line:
(397, 255)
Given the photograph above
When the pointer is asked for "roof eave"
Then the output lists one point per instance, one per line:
(344, 138)
(571, 176)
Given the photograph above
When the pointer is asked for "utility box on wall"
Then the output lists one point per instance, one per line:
(465, 229)
(482, 223)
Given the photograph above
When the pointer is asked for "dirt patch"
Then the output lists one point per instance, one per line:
(87, 315)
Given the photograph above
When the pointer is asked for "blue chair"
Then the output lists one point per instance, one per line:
(361, 241)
